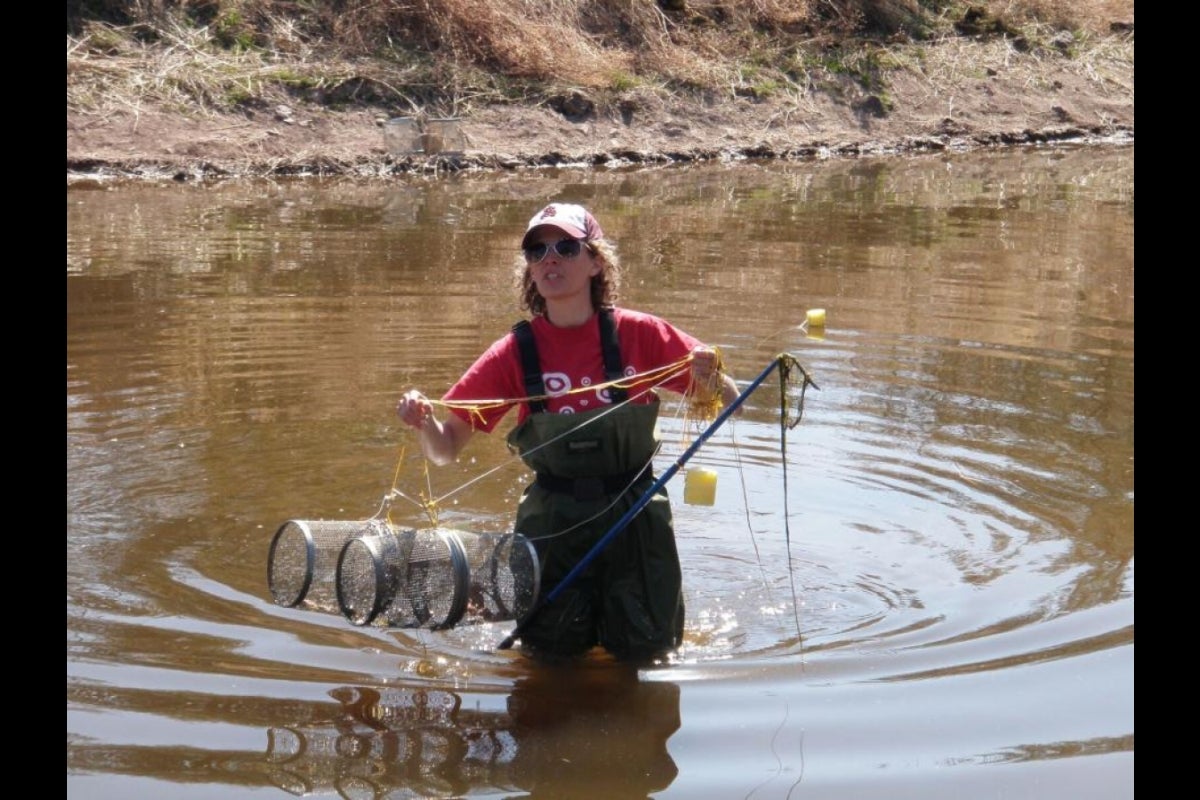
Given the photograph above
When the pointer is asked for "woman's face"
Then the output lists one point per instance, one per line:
(565, 268)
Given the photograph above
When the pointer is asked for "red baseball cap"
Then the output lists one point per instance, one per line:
(573, 220)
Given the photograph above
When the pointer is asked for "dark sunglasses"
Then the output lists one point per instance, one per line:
(565, 248)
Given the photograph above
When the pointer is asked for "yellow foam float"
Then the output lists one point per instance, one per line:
(700, 487)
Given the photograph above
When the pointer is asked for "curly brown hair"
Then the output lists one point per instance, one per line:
(605, 285)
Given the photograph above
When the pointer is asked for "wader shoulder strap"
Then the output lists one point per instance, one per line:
(613, 369)
(532, 367)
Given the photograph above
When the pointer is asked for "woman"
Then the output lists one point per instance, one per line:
(591, 448)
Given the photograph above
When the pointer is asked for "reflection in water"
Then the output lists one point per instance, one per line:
(589, 730)
(954, 541)
(596, 726)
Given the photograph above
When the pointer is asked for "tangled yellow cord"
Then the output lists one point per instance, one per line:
(704, 399)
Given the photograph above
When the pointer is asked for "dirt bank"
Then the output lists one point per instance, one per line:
(961, 94)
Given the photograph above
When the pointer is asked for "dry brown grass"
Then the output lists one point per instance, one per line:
(1088, 16)
(445, 55)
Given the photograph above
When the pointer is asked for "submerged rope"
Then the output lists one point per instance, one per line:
(786, 364)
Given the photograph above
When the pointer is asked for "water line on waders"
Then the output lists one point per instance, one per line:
(784, 363)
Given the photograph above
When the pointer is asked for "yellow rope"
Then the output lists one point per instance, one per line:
(652, 376)
(425, 499)
(703, 401)
(395, 480)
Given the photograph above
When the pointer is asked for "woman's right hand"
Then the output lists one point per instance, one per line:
(441, 442)
(414, 409)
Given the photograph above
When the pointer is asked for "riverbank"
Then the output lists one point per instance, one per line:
(954, 93)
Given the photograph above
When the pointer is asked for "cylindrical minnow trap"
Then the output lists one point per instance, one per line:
(505, 576)
(302, 562)
(402, 579)
(436, 578)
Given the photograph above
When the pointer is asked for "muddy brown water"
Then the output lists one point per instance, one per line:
(922, 590)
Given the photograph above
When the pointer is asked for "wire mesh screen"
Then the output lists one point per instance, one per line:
(403, 579)
(505, 576)
(436, 578)
(302, 562)
(368, 572)
(374, 572)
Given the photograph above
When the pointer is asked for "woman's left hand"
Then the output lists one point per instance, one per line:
(705, 365)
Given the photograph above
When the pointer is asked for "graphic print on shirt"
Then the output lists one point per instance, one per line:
(584, 383)
(558, 384)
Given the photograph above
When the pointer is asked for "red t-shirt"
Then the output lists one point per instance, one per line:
(571, 360)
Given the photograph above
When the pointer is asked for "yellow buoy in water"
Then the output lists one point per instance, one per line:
(815, 318)
(700, 487)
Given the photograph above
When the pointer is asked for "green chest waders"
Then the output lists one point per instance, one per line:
(592, 468)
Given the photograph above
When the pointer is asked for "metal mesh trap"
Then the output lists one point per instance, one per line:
(302, 562)
(403, 579)
(373, 572)
(505, 576)
(436, 578)
(422, 135)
